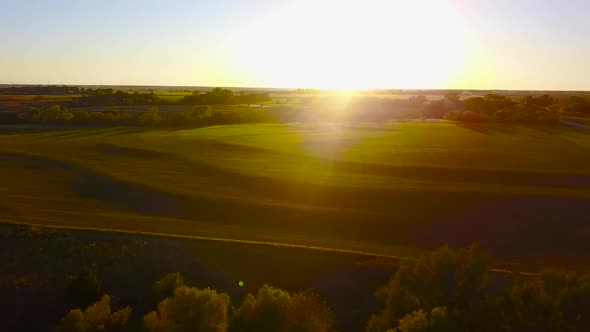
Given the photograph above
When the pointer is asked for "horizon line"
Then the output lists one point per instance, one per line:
(291, 88)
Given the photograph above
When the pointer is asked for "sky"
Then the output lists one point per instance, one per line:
(368, 44)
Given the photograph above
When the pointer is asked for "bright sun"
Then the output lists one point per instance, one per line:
(354, 45)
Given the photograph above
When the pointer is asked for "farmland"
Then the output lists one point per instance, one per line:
(397, 188)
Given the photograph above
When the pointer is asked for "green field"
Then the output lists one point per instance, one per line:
(172, 95)
(398, 189)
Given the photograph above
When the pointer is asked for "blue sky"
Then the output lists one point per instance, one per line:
(503, 44)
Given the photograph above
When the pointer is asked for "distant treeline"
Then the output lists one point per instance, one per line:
(112, 97)
(195, 116)
(489, 108)
(543, 109)
(445, 290)
(40, 90)
(217, 96)
(497, 108)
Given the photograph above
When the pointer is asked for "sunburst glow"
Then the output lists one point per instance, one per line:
(354, 45)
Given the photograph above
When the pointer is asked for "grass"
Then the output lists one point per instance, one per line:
(172, 96)
(396, 189)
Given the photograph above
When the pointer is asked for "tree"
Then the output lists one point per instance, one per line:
(190, 309)
(543, 101)
(82, 115)
(51, 114)
(577, 104)
(456, 279)
(421, 321)
(452, 96)
(97, 317)
(487, 105)
(150, 117)
(220, 96)
(553, 301)
(201, 111)
(418, 100)
(436, 109)
(165, 287)
(274, 309)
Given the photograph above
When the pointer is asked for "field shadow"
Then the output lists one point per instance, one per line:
(523, 228)
(487, 128)
(509, 226)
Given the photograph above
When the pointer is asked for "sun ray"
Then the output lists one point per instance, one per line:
(347, 45)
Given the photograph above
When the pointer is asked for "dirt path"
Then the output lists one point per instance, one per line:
(241, 241)
(574, 124)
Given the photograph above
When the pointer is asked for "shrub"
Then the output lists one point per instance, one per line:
(82, 115)
(421, 321)
(150, 117)
(190, 309)
(165, 287)
(201, 111)
(97, 317)
(274, 309)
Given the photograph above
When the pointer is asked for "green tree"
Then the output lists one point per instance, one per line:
(201, 112)
(420, 321)
(51, 114)
(277, 310)
(453, 96)
(190, 309)
(82, 115)
(95, 318)
(165, 287)
(455, 279)
(150, 117)
(552, 301)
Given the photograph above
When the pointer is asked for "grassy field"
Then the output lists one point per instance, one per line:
(172, 95)
(523, 192)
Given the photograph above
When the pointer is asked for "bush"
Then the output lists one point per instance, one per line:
(82, 115)
(201, 111)
(276, 310)
(150, 117)
(97, 317)
(51, 114)
(83, 289)
(165, 287)
(190, 309)
(421, 321)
